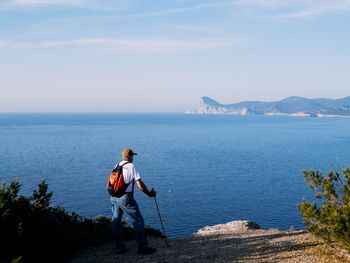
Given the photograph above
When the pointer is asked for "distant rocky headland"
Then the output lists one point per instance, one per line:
(291, 106)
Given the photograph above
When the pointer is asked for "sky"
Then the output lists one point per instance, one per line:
(163, 56)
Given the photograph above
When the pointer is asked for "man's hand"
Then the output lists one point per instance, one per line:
(152, 193)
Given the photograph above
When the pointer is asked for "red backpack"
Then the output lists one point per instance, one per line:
(115, 185)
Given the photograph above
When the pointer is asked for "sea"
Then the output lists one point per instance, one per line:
(206, 169)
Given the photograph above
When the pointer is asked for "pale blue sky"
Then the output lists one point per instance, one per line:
(162, 56)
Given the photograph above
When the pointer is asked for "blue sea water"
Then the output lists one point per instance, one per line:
(207, 169)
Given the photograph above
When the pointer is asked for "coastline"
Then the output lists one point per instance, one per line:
(298, 115)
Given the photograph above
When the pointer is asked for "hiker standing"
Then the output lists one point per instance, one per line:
(126, 203)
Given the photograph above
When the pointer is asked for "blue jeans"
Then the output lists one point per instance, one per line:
(127, 204)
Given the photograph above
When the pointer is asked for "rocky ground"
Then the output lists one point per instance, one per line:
(236, 241)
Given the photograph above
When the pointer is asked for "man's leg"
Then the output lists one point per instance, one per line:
(116, 226)
(136, 219)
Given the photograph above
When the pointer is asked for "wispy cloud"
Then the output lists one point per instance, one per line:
(269, 8)
(90, 4)
(317, 8)
(290, 9)
(175, 10)
(3, 43)
(128, 45)
(282, 9)
(48, 2)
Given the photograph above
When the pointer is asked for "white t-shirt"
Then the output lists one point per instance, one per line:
(129, 173)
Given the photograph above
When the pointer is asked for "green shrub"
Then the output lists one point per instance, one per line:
(33, 231)
(329, 217)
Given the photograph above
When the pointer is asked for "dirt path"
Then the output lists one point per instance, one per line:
(225, 245)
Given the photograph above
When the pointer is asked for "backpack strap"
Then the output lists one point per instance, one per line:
(133, 185)
(124, 164)
(119, 166)
(132, 181)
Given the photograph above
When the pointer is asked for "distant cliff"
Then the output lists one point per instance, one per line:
(291, 106)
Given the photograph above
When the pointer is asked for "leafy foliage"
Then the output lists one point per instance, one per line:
(329, 217)
(33, 231)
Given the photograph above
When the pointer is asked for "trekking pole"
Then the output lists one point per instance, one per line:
(161, 221)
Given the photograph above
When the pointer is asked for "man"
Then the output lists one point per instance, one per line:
(126, 203)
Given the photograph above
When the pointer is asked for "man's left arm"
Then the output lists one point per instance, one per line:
(144, 188)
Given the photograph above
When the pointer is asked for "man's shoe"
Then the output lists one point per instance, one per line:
(147, 251)
(119, 252)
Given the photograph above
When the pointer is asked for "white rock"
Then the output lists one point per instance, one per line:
(233, 226)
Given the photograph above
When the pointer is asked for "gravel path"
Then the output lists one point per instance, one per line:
(225, 243)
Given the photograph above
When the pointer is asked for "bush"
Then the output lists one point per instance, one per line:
(329, 217)
(33, 231)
